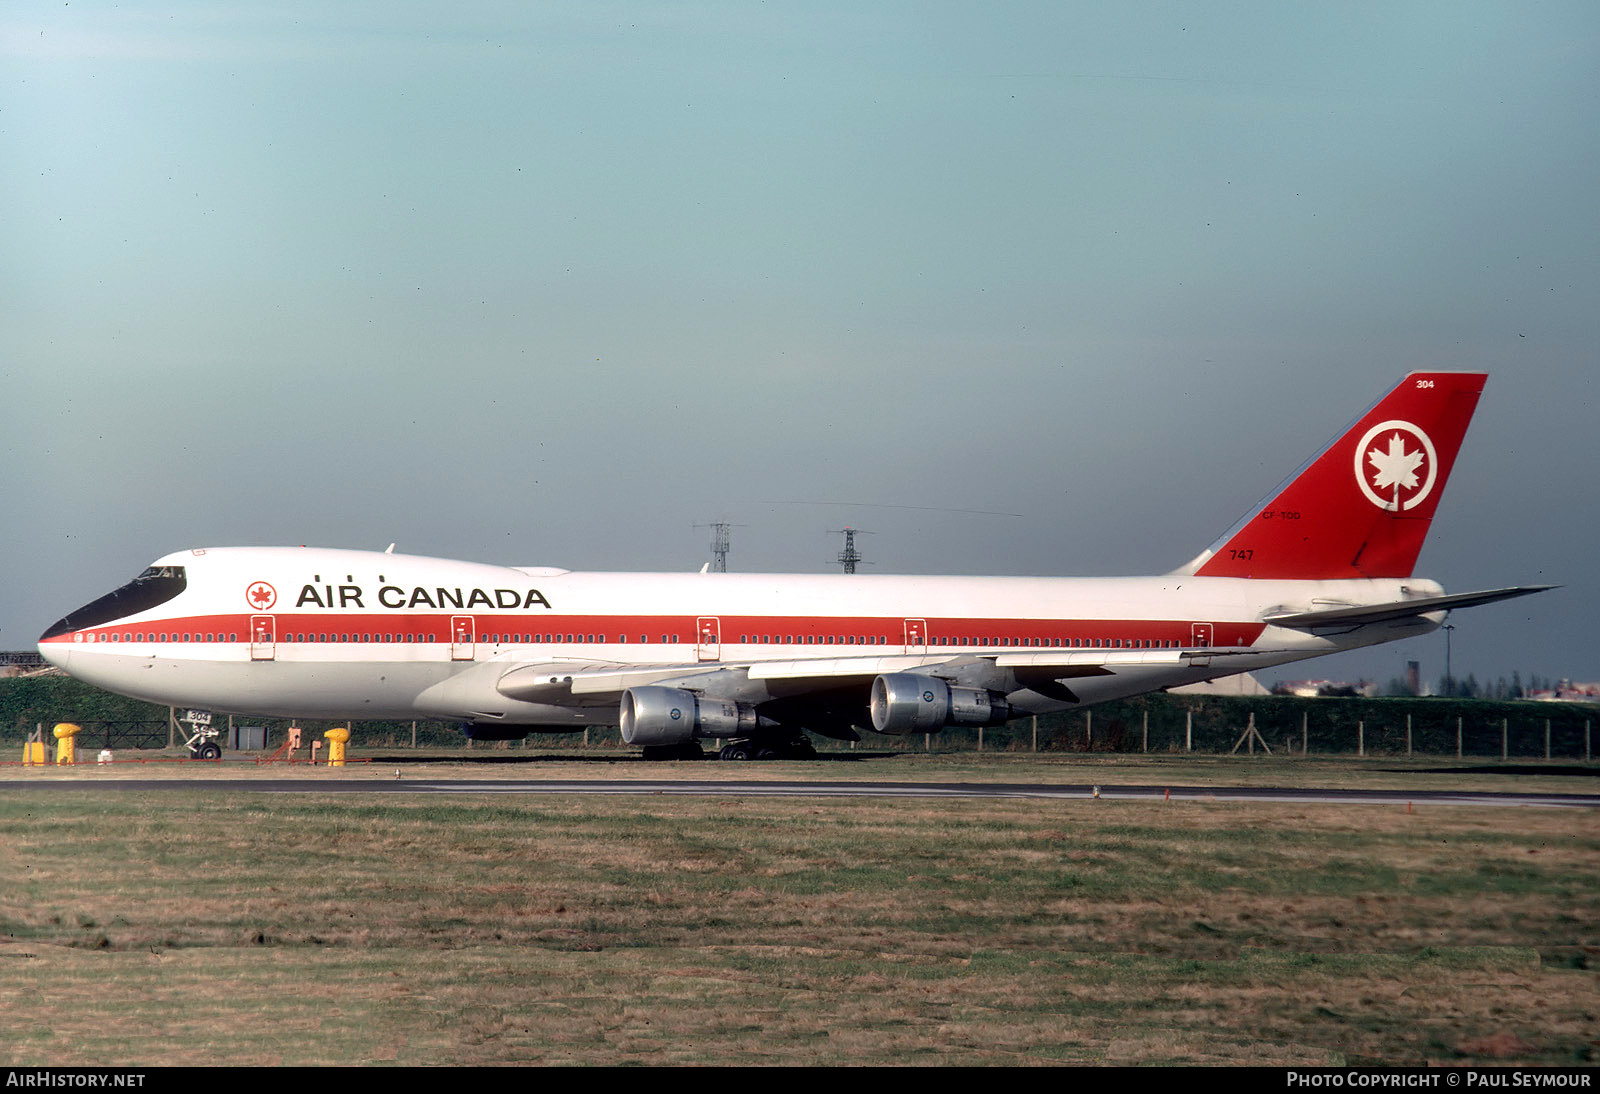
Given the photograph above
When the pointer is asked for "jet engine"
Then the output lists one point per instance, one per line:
(904, 702)
(670, 716)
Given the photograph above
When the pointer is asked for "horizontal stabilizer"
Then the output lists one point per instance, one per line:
(1401, 609)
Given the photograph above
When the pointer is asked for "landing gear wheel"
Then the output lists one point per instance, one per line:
(802, 749)
(768, 754)
(208, 751)
(734, 752)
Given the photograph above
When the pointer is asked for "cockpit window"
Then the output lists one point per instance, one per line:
(156, 586)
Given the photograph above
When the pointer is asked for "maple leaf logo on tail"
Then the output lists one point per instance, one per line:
(1395, 465)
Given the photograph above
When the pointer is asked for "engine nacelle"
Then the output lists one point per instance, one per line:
(672, 716)
(904, 702)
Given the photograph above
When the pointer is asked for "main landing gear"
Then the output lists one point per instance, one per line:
(799, 749)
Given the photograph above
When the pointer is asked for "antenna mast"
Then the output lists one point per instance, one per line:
(720, 539)
(849, 558)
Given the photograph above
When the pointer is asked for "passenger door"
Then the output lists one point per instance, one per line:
(463, 636)
(263, 637)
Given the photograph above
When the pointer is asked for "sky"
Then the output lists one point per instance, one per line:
(1024, 288)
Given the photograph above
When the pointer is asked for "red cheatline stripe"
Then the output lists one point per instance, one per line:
(544, 628)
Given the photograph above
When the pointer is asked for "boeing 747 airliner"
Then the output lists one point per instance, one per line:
(754, 660)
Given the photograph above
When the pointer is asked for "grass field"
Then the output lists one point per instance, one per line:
(157, 928)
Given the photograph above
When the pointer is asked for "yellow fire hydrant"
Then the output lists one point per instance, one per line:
(337, 736)
(64, 732)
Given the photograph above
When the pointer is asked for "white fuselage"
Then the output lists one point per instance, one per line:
(349, 634)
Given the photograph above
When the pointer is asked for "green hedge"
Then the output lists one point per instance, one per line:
(1217, 722)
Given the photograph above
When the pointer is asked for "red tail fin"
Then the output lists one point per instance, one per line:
(1362, 507)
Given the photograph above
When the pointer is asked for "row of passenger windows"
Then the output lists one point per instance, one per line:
(486, 639)
(815, 639)
(945, 640)
(491, 639)
(164, 636)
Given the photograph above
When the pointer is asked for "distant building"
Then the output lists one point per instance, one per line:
(1325, 689)
(1566, 691)
(20, 663)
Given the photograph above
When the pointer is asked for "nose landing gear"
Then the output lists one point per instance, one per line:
(201, 735)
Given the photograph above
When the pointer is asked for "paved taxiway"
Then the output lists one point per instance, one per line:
(765, 789)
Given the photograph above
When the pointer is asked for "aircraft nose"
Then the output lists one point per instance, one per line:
(57, 653)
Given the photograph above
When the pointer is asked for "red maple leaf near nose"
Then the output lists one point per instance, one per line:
(261, 594)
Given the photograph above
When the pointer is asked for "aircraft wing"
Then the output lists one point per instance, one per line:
(593, 683)
(590, 683)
